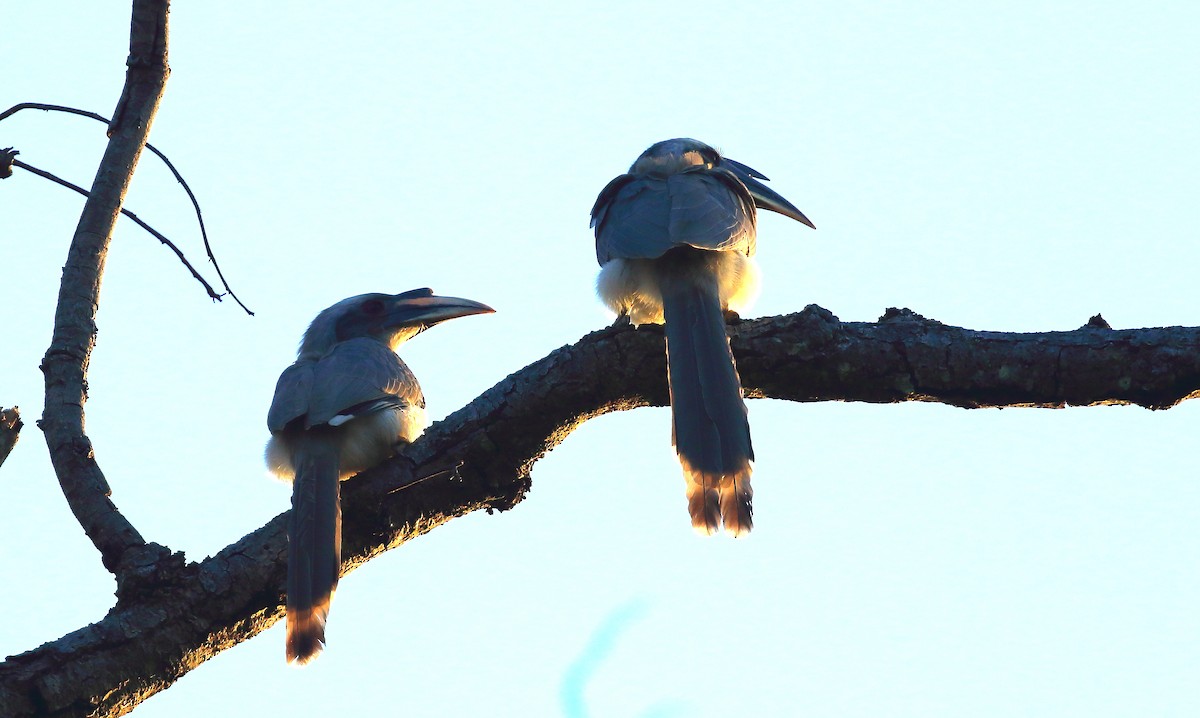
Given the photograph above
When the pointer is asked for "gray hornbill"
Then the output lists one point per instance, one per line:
(674, 237)
(343, 407)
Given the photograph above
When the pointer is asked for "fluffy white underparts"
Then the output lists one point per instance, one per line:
(632, 286)
(363, 441)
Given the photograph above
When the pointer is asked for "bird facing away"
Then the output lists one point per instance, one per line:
(344, 406)
(674, 239)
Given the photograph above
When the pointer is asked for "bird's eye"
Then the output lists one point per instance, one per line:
(372, 307)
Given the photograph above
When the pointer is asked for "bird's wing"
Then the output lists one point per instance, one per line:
(632, 219)
(357, 377)
(711, 210)
(646, 216)
(292, 392)
(600, 213)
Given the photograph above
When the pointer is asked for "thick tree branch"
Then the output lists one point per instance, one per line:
(176, 615)
(906, 357)
(65, 365)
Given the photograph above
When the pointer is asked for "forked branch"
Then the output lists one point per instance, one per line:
(176, 615)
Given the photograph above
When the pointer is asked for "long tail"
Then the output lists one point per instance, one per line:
(314, 546)
(709, 425)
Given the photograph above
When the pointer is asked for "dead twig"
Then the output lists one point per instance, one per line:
(178, 177)
(157, 235)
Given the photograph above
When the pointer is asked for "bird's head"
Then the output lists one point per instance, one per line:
(671, 156)
(683, 154)
(390, 318)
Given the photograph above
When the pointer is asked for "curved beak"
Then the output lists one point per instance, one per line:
(764, 196)
(420, 307)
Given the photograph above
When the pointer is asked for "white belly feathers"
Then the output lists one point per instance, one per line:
(631, 286)
(363, 441)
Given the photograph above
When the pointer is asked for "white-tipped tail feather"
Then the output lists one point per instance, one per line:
(306, 632)
(688, 290)
(314, 543)
(719, 499)
(710, 428)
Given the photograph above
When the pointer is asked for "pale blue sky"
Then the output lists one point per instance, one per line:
(1014, 166)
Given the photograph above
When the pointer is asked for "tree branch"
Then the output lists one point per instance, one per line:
(906, 357)
(178, 177)
(137, 220)
(177, 614)
(122, 548)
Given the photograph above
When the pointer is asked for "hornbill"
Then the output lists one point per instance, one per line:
(344, 406)
(674, 237)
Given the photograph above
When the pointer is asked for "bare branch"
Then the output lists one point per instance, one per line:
(49, 108)
(203, 232)
(174, 616)
(178, 177)
(906, 357)
(10, 431)
(154, 232)
(121, 547)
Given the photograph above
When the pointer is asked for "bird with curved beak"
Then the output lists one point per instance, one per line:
(344, 406)
(674, 239)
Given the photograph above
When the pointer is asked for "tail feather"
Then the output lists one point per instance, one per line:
(703, 498)
(314, 547)
(709, 426)
(736, 508)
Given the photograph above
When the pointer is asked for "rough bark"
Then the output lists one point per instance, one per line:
(171, 615)
(65, 364)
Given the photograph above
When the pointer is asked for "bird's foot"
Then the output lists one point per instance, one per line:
(732, 317)
(622, 320)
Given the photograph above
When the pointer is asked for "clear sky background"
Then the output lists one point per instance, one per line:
(1011, 166)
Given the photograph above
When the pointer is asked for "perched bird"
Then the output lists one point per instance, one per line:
(674, 237)
(343, 407)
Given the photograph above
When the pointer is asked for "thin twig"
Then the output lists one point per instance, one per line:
(191, 195)
(451, 471)
(200, 220)
(157, 235)
(48, 108)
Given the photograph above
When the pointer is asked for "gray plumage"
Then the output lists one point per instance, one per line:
(646, 216)
(344, 406)
(674, 237)
(357, 375)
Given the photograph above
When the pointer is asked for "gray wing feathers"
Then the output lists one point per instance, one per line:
(645, 217)
(291, 396)
(353, 373)
(707, 213)
(636, 222)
